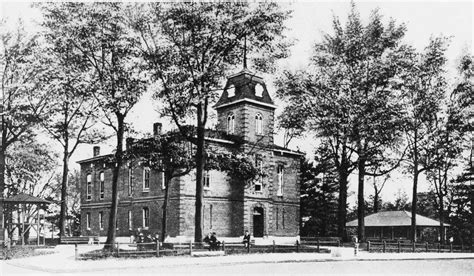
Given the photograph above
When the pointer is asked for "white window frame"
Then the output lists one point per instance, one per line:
(146, 180)
(259, 182)
(89, 187)
(259, 124)
(162, 179)
(231, 124)
(280, 173)
(101, 220)
(145, 217)
(231, 91)
(130, 181)
(259, 90)
(102, 185)
(88, 221)
(206, 179)
(130, 220)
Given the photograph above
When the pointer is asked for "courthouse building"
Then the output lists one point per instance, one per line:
(268, 207)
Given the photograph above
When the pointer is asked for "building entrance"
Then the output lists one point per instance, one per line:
(258, 222)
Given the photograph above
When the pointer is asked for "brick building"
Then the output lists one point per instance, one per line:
(268, 207)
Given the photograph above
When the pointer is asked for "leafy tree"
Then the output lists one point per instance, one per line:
(191, 47)
(423, 87)
(23, 74)
(318, 196)
(30, 169)
(101, 33)
(378, 187)
(353, 100)
(71, 108)
(169, 154)
(400, 203)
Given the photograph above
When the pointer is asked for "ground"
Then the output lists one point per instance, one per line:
(390, 267)
(340, 261)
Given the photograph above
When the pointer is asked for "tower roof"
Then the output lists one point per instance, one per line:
(245, 85)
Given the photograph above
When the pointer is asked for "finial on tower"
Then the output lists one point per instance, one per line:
(245, 52)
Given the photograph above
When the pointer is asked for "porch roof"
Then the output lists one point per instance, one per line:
(394, 218)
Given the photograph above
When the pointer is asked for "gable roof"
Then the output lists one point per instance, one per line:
(395, 218)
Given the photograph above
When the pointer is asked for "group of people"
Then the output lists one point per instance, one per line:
(214, 244)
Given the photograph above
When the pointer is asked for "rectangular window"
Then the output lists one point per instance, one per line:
(283, 219)
(130, 221)
(277, 215)
(162, 179)
(101, 221)
(146, 217)
(259, 181)
(130, 180)
(102, 185)
(280, 171)
(89, 187)
(206, 179)
(88, 221)
(146, 179)
(210, 216)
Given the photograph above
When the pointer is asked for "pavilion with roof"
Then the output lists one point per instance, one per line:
(22, 214)
(395, 225)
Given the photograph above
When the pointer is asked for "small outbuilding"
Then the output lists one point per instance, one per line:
(395, 225)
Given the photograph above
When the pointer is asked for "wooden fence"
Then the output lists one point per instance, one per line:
(130, 250)
(384, 246)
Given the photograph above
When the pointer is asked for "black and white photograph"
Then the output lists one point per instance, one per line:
(237, 137)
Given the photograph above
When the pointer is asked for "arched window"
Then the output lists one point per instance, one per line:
(230, 123)
(280, 171)
(258, 123)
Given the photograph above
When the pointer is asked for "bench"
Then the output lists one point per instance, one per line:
(79, 240)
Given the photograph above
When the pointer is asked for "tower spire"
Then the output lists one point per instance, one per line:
(245, 52)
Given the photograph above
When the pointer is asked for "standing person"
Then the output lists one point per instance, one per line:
(246, 240)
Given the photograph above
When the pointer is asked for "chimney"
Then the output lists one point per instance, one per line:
(128, 143)
(96, 151)
(157, 129)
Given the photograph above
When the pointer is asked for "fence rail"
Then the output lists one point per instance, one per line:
(156, 249)
(399, 247)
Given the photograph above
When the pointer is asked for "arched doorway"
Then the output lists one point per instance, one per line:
(258, 220)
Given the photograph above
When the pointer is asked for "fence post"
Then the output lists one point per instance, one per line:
(157, 248)
(383, 246)
(223, 246)
(75, 251)
(274, 246)
(338, 243)
(368, 246)
(248, 247)
(297, 246)
(439, 247)
(414, 246)
(426, 245)
(462, 247)
(118, 250)
(318, 246)
(190, 248)
(451, 247)
(399, 247)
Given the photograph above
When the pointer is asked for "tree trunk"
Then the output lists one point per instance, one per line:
(342, 203)
(376, 202)
(64, 183)
(441, 220)
(360, 200)
(109, 243)
(2, 171)
(415, 188)
(200, 161)
(165, 206)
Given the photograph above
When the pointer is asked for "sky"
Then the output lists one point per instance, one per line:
(310, 20)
